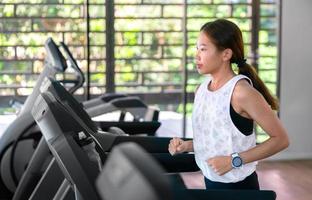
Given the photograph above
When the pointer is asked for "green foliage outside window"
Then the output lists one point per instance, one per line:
(148, 41)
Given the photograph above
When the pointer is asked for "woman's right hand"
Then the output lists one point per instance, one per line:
(177, 145)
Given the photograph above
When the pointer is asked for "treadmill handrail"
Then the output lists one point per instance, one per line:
(79, 74)
(105, 98)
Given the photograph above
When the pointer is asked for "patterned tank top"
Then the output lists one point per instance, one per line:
(215, 133)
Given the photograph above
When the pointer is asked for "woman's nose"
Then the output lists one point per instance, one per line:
(197, 57)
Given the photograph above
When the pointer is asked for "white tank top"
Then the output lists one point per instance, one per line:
(215, 133)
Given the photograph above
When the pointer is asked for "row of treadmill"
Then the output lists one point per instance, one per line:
(54, 150)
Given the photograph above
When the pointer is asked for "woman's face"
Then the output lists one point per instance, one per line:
(208, 58)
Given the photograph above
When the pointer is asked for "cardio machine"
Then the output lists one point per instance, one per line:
(126, 168)
(16, 144)
(70, 113)
(20, 139)
(136, 181)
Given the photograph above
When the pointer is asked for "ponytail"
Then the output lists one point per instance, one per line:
(249, 71)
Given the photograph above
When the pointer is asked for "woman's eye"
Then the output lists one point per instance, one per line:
(201, 49)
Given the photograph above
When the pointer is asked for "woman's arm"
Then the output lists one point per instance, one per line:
(177, 145)
(249, 102)
(254, 104)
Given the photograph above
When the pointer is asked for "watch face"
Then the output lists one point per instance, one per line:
(237, 162)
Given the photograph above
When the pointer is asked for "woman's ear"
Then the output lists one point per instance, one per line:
(227, 54)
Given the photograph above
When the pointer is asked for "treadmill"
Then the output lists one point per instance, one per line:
(68, 112)
(63, 115)
(16, 144)
(126, 168)
(124, 176)
(20, 139)
(152, 144)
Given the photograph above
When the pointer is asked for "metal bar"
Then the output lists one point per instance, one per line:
(48, 31)
(127, 85)
(117, 72)
(87, 48)
(49, 17)
(184, 66)
(110, 47)
(49, 4)
(179, 4)
(279, 44)
(122, 45)
(118, 31)
(172, 97)
(255, 20)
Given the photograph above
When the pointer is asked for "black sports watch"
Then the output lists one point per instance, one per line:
(237, 161)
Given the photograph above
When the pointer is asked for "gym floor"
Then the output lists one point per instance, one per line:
(289, 179)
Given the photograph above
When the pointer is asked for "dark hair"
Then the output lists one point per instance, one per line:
(226, 35)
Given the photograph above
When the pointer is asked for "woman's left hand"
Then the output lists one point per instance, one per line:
(220, 164)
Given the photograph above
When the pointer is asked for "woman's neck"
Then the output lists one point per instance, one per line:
(220, 78)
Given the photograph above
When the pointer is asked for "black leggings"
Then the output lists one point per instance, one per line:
(249, 183)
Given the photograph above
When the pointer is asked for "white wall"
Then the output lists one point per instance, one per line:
(296, 77)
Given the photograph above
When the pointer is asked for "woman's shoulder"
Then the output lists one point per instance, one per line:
(243, 91)
(244, 97)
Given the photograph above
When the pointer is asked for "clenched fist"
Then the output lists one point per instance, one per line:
(178, 145)
(220, 164)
